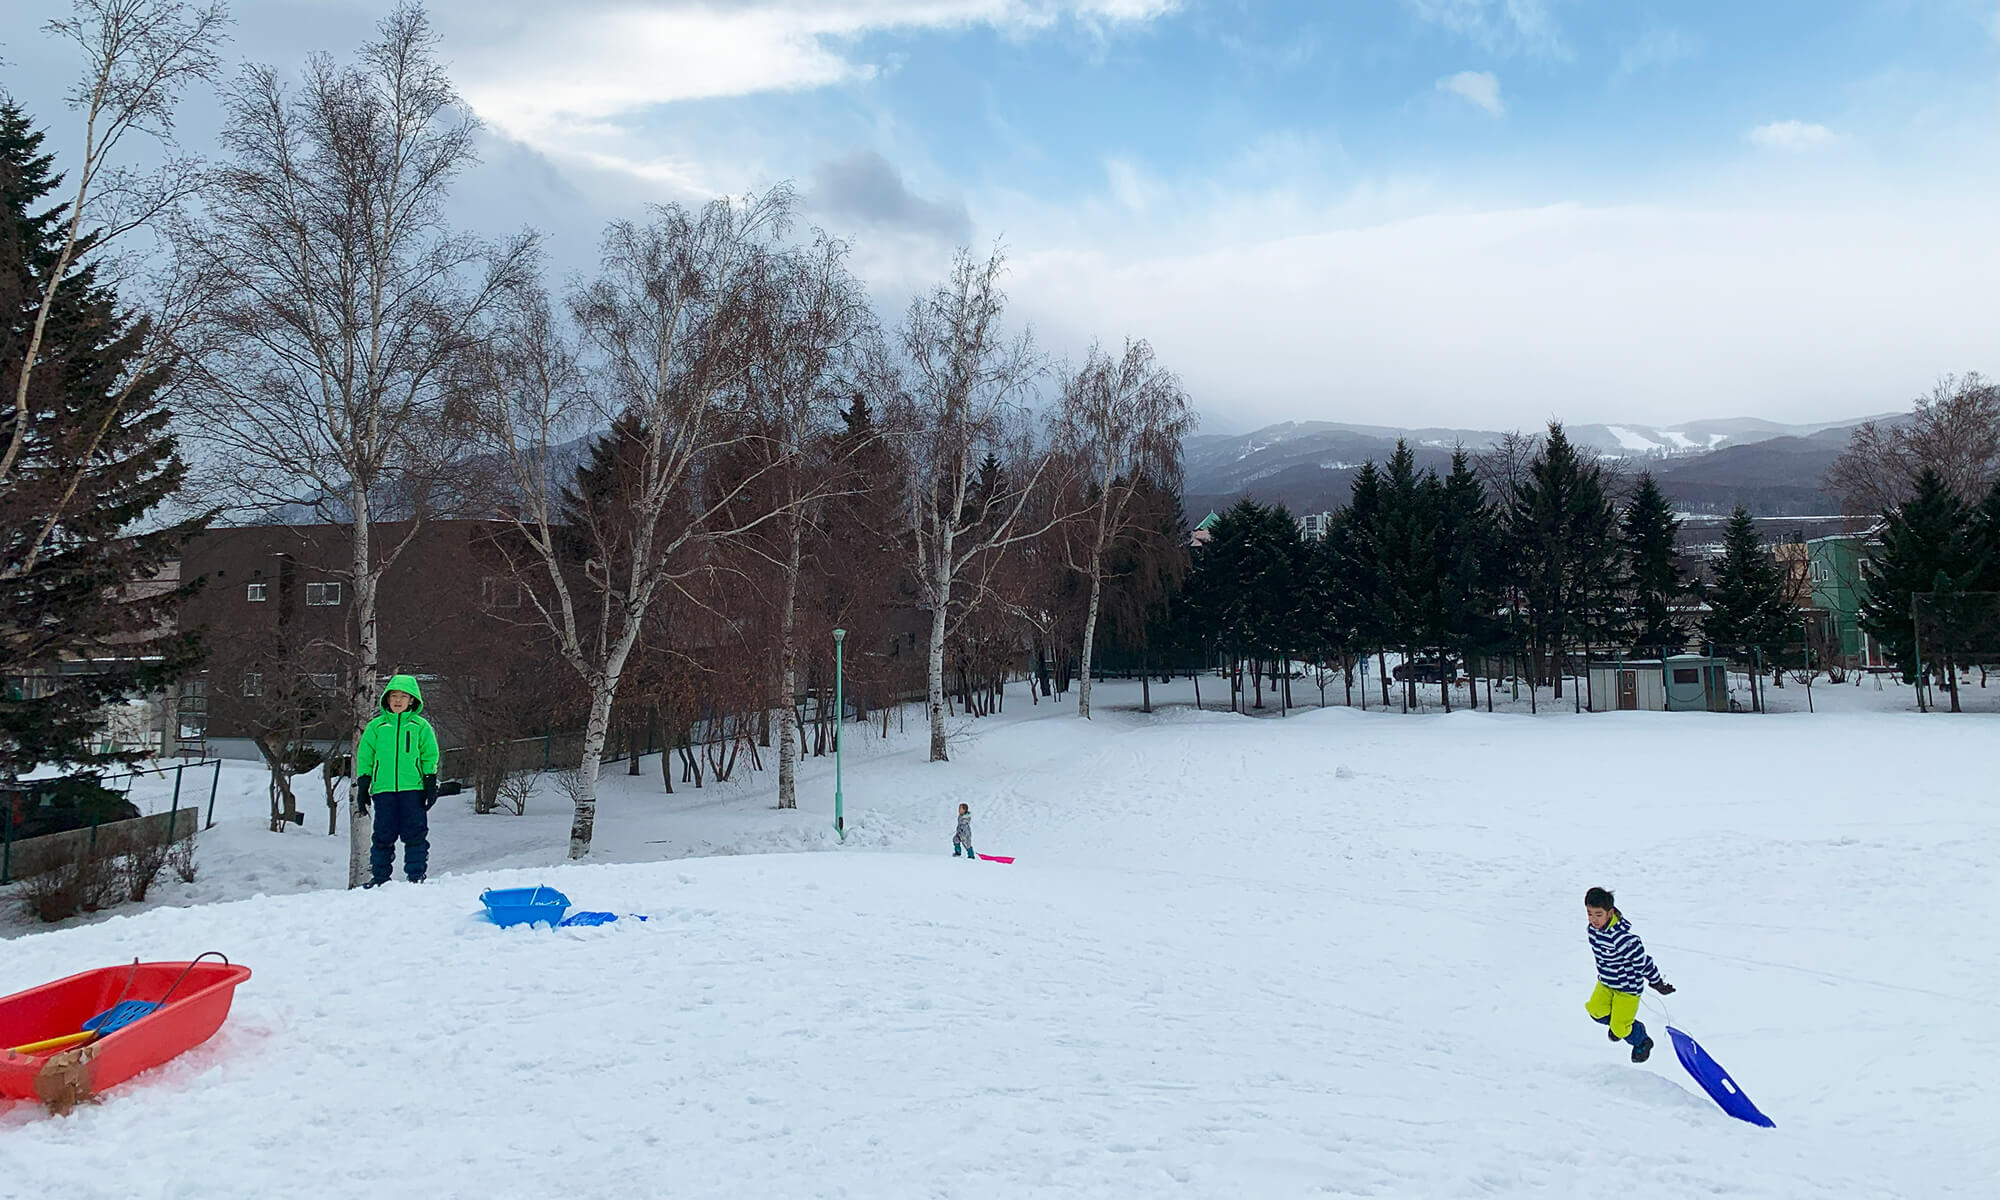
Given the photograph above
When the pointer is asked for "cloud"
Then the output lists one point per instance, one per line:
(1793, 136)
(1502, 317)
(1499, 26)
(550, 74)
(864, 188)
(1657, 48)
(1479, 87)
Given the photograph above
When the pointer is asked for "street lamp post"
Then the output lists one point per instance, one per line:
(839, 713)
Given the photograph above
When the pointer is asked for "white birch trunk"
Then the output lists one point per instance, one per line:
(934, 671)
(366, 656)
(1089, 639)
(788, 671)
(585, 821)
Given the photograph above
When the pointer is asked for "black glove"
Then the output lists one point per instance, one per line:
(1664, 988)
(361, 794)
(430, 791)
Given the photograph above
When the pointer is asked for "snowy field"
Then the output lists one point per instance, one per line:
(1334, 954)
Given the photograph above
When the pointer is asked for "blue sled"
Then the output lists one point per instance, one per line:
(1716, 1081)
(593, 918)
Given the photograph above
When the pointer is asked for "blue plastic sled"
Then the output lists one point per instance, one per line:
(595, 918)
(1716, 1081)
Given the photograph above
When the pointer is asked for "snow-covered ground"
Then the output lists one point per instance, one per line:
(1334, 954)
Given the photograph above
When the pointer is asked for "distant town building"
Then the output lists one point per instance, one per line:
(1204, 531)
(1677, 683)
(1826, 573)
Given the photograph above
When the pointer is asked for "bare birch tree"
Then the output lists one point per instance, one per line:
(1955, 431)
(1122, 422)
(666, 332)
(140, 56)
(812, 345)
(965, 399)
(323, 375)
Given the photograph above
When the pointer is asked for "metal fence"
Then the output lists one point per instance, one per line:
(157, 793)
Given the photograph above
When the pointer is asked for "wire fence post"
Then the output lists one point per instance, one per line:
(1917, 644)
(214, 778)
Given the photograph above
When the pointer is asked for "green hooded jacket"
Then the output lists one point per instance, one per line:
(397, 750)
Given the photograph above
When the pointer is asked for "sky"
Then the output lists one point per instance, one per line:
(1471, 213)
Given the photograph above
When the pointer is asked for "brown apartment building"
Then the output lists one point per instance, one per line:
(275, 607)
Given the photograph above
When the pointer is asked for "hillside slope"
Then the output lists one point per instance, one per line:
(1336, 954)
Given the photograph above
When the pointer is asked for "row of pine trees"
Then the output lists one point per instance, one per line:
(1933, 588)
(1509, 567)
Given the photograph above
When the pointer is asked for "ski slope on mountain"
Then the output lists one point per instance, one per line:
(1334, 954)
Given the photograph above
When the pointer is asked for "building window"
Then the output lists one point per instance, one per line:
(324, 683)
(499, 593)
(322, 595)
(254, 593)
(253, 683)
(1687, 675)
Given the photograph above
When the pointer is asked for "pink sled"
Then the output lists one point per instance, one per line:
(999, 858)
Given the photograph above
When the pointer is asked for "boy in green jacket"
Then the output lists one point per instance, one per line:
(395, 770)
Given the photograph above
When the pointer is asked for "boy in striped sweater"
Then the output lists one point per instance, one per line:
(1623, 971)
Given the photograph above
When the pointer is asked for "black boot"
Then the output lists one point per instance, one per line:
(1642, 1051)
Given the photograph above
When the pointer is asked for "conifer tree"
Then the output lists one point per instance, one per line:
(1929, 559)
(1356, 536)
(1747, 611)
(1563, 543)
(97, 455)
(1469, 576)
(1649, 531)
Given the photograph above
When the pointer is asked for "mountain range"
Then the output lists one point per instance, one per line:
(1706, 467)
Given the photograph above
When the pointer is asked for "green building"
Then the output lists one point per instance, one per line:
(1833, 566)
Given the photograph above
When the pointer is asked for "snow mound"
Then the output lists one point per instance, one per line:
(1331, 954)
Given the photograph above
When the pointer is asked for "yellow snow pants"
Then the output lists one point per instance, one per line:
(1621, 1007)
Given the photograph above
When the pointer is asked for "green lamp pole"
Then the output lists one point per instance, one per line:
(839, 712)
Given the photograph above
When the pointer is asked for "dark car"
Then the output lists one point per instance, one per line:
(1421, 670)
(44, 806)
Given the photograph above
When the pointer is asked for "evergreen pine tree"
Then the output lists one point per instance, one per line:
(1274, 588)
(1747, 612)
(1217, 597)
(1469, 576)
(1650, 532)
(1562, 535)
(1356, 536)
(98, 460)
(1929, 558)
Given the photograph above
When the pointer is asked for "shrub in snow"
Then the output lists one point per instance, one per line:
(142, 866)
(514, 792)
(180, 858)
(86, 882)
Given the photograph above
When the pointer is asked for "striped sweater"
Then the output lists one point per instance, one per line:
(1622, 962)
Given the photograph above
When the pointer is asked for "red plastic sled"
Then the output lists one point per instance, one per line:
(188, 1018)
(996, 858)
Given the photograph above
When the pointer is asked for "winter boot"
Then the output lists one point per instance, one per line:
(1642, 1051)
(954, 849)
(373, 883)
(1611, 1035)
(970, 856)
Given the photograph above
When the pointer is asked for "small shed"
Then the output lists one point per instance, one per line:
(1677, 683)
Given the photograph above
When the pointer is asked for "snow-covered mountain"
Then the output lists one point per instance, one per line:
(1772, 468)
